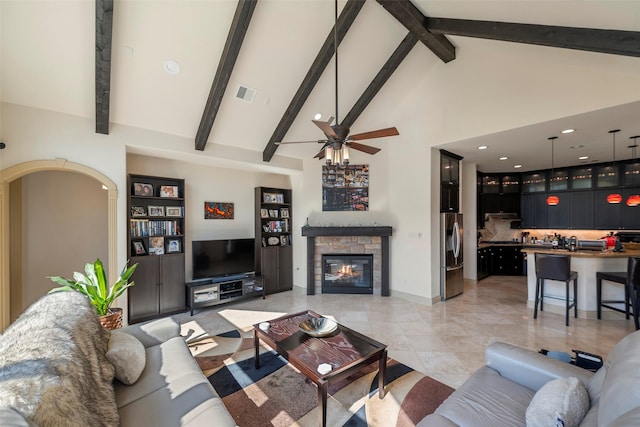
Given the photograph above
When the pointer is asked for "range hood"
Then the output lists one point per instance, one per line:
(501, 216)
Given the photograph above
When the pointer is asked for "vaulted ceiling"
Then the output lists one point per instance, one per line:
(282, 49)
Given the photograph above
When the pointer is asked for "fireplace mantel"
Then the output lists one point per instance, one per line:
(311, 232)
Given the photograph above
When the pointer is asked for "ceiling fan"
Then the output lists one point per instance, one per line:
(338, 142)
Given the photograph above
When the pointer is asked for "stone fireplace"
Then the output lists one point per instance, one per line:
(348, 241)
(347, 274)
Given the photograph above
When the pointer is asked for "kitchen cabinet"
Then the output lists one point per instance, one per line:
(607, 216)
(505, 261)
(533, 210)
(559, 216)
(582, 210)
(630, 216)
(483, 264)
(449, 198)
(449, 182)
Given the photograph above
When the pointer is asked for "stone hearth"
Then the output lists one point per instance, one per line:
(348, 240)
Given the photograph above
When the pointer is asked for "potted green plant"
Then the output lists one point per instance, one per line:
(93, 284)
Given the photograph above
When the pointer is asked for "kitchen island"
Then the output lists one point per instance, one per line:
(587, 264)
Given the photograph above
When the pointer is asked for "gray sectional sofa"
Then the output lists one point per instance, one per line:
(501, 392)
(54, 371)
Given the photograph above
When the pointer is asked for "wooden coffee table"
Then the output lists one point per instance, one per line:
(345, 350)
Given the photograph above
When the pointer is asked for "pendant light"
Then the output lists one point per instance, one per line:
(552, 200)
(614, 198)
(634, 199)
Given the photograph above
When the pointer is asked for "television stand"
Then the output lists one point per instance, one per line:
(221, 290)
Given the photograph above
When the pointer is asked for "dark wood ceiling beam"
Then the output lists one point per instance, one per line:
(381, 78)
(104, 28)
(415, 21)
(239, 27)
(614, 42)
(347, 16)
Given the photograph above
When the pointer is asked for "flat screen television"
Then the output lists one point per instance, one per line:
(228, 257)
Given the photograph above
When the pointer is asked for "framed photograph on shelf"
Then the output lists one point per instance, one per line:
(138, 247)
(284, 212)
(156, 245)
(284, 240)
(173, 245)
(138, 211)
(169, 191)
(156, 210)
(279, 198)
(269, 198)
(273, 213)
(174, 211)
(264, 213)
(141, 189)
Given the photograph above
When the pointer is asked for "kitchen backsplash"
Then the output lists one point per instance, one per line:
(501, 231)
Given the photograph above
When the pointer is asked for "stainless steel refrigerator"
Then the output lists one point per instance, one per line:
(451, 259)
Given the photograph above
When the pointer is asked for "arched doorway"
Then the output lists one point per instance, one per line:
(17, 171)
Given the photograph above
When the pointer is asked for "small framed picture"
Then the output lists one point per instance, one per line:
(284, 240)
(173, 245)
(138, 211)
(141, 189)
(273, 213)
(156, 245)
(174, 211)
(284, 212)
(264, 213)
(156, 210)
(269, 198)
(279, 198)
(138, 247)
(169, 191)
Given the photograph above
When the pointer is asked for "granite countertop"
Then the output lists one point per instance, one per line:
(584, 254)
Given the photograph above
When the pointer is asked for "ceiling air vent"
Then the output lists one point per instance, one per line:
(245, 93)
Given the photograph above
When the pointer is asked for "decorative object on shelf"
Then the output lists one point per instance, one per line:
(138, 211)
(345, 189)
(138, 247)
(284, 240)
(284, 212)
(614, 198)
(175, 211)
(169, 191)
(156, 210)
(141, 189)
(552, 200)
(264, 213)
(173, 246)
(273, 198)
(156, 245)
(634, 199)
(93, 284)
(336, 147)
(273, 241)
(218, 210)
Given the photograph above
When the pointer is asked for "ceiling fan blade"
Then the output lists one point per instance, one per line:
(318, 141)
(380, 133)
(366, 148)
(320, 155)
(326, 128)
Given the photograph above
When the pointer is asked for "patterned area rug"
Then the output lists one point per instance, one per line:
(277, 394)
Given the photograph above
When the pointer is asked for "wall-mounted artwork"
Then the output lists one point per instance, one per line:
(345, 188)
(218, 210)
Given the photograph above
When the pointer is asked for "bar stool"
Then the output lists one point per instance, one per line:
(633, 283)
(619, 277)
(556, 267)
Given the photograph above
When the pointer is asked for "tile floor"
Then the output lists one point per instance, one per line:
(446, 340)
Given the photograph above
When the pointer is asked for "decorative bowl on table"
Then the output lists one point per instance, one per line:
(318, 326)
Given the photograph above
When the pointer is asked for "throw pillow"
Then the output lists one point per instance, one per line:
(562, 402)
(127, 354)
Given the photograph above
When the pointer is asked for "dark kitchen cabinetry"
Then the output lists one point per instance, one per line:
(449, 182)
(498, 193)
(582, 210)
(630, 214)
(559, 216)
(274, 254)
(483, 263)
(533, 211)
(505, 260)
(608, 215)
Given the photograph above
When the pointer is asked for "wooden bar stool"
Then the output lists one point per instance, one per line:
(556, 267)
(615, 277)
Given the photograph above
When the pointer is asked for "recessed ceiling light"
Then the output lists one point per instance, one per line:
(483, 147)
(171, 67)
(568, 131)
(504, 158)
(577, 146)
(583, 157)
(318, 116)
(517, 166)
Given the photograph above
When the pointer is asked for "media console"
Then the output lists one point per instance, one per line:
(220, 290)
